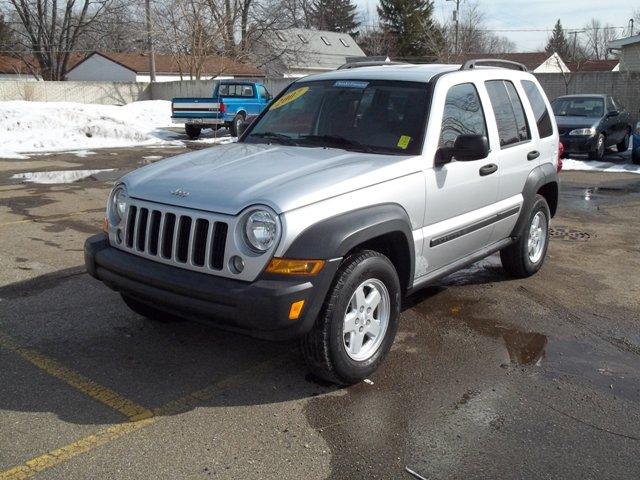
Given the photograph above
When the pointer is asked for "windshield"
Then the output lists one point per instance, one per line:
(578, 107)
(372, 116)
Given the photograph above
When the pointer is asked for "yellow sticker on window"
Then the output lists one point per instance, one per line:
(403, 143)
(289, 97)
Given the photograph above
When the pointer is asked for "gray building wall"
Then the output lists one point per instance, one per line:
(623, 85)
(96, 68)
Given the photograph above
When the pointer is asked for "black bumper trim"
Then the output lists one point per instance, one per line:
(259, 308)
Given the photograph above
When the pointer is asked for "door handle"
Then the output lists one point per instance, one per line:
(488, 169)
(533, 155)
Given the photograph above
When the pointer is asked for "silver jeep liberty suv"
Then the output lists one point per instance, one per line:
(351, 190)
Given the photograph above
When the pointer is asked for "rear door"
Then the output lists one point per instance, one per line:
(518, 151)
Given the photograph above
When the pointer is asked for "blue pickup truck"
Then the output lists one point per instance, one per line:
(231, 103)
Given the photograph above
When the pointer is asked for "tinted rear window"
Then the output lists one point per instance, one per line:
(235, 90)
(539, 107)
(509, 112)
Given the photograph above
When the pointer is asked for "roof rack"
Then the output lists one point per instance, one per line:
(375, 63)
(471, 64)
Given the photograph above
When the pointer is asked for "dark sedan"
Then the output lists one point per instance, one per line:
(590, 124)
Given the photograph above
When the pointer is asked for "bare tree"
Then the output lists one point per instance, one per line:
(49, 30)
(597, 37)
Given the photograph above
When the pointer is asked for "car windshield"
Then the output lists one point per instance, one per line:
(578, 107)
(371, 116)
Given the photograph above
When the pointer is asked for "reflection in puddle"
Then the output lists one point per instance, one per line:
(60, 176)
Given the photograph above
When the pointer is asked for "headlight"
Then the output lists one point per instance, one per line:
(583, 131)
(117, 204)
(261, 230)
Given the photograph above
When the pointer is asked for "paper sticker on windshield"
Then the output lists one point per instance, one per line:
(403, 143)
(289, 97)
(350, 84)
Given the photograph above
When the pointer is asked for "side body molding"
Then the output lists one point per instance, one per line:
(538, 177)
(336, 236)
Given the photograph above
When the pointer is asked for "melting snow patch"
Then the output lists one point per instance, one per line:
(594, 166)
(153, 157)
(60, 176)
(65, 126)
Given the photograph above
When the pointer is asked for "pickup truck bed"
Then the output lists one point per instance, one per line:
(230, 104)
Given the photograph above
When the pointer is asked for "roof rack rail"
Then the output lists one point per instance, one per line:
(471, 64)
(375, 63)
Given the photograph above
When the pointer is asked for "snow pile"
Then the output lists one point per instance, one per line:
(53, 126)
(594, 166)
(60, 176)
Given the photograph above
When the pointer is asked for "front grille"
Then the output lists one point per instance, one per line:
(177, 236)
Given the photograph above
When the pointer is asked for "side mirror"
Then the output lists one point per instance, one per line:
(465, 149)
(613, 113)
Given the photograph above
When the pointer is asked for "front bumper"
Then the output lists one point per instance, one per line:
(259, 308)
(578, 144)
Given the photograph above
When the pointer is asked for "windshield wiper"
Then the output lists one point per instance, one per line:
(338, 141)
(279, 137)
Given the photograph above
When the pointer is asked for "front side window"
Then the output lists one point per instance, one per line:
(374, 116)
(509, 112)
(539, 107)
(462, 115)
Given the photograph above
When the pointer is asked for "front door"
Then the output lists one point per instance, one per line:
(461, 196)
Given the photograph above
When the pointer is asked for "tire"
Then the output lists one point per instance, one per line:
(148, 311)
(325, 346)
(623, 146)
(635, 156)
(235, 124)
(517, 258)
(192, 131)
(598, 152)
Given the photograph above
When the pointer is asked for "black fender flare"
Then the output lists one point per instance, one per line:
(538, 177)
(336, 236)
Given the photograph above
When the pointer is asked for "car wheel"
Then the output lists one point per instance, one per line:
(235, 125)
(635, 156)
(192, 131)
(148, 311)
(526, 255)
(623, 146)
(358, 321)
(598, 152)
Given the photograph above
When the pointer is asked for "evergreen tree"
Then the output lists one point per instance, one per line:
(558, 43)
(334, 16)
(411, 24)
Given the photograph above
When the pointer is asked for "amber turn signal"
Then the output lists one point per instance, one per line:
(296, 309)
(288, 266)
(105, 225)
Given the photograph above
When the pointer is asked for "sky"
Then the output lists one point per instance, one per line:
(536, 14)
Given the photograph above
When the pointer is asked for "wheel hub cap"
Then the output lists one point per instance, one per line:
(537, 237)
(366, 320)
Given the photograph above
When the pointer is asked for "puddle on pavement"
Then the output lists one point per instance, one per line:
(591, 198)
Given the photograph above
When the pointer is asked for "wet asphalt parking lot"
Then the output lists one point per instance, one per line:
(489, 377)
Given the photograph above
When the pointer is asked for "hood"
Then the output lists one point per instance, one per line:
(577, 122)
(229, 178)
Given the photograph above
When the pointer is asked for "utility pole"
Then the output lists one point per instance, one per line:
(456, 19)
(152, 57)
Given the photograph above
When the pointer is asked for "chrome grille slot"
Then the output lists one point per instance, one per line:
(176, 236)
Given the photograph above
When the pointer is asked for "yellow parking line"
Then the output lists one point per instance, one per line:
(104, 395)
(139, 416)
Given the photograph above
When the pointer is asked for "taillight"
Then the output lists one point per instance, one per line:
(222, 108)
(560, 155)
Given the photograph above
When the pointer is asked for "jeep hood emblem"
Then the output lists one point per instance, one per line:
(178, 192)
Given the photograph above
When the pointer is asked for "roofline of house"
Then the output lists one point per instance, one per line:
(622, 42)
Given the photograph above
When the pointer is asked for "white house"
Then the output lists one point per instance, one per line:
(536, 62)
(297, 52)
(628, 50)
(134, 67)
